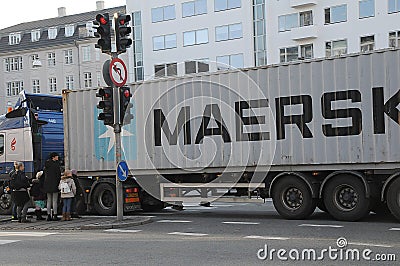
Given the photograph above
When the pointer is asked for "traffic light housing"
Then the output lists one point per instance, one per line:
(102, 24)
(106, 104)
(125, 105)
(122, 32)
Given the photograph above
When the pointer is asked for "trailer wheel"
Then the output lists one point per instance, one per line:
(393, 198)
(5, 203)
(345, 199)
(105, 200)
(292, 198)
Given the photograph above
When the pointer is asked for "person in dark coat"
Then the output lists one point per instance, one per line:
(39, 197)
(14, 216)
(77, 200)
(20, 184)
(52, 177)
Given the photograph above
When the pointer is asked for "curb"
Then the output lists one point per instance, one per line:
(5, 220)
(115, 225)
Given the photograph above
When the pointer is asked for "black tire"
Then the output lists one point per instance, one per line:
(152, 208)
(104, 199)
(292, 198)
(393, 198)
(345, 198)
(5, 203)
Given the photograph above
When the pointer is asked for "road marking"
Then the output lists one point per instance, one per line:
(187, 234)
(5, 242)
(122, 231)
(173, 221)
(35, 234)
(394, 229)
(267, 237)
(244, 223)
(321, 225)
(370, 245)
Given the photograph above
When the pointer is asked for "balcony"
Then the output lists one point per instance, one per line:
(304, 33)
(302, 3)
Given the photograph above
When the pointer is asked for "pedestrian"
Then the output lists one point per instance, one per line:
(20, 184)
(52, 177)
(39, 197)
(13, 205)
(77, 200)
(68, 192)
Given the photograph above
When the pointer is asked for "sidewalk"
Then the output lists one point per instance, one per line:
(85, 223)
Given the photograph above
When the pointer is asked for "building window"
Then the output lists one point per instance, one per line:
(35, 60)
(53, 84)
(164, 42)
(366, 8)
(306, 51)
(69, 30)
(14, 38)
(336, 14)
(97, 54)
(87, 76)
(166, 70)
(220, 5)
(68, 57)
(287, 22)
(230, 61)
(35, 86)
(137, 46)
(289, 54)
(228, 32)
(197, 66)
(367, 43)
(13, 63)
(69, 82)
(2, 144)
(194, 8)
(195, 37)
(98, 75)
(14, 88)
(163, 13)
(393, 6)
(51, 59)
(86, 53)
(52, 32)
(306, 18)
(394, 39)
(35, 35)
(335, 48)
(260, 38)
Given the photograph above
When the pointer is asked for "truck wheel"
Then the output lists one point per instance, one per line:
(105, 200)
(345, 199)
(393, 198)
(5, 203)
(293, 199)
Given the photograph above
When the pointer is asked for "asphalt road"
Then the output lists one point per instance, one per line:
(225, 234)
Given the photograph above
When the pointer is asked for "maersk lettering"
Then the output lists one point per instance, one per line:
(283, 120)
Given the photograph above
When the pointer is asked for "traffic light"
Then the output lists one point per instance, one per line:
(107, 105)
(125, 105)
(122, 32)
(102, 24)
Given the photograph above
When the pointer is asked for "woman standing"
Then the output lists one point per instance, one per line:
(20, 184)
(39, 197)
(52, 178)
(68, 191)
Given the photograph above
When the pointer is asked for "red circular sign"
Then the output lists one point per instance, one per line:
(118, 72)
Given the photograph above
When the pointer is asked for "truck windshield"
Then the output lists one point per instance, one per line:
(44, 103)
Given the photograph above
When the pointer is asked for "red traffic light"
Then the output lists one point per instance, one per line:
(100, 18)
(127, 94)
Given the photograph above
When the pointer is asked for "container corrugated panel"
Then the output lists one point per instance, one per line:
(237, 119)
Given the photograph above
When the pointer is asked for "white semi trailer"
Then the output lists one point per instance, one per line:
(322, 132)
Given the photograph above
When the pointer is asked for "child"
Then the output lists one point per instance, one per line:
(39, 197)
(68, 191)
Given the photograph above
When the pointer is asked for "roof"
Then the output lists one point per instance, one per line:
(59, 22)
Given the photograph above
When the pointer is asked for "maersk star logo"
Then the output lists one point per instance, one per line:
(109, 134)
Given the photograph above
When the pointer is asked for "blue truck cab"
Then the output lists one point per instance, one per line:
(32, 137)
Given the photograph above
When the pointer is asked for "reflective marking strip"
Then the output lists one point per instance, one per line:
(187, 234)
(245, 223)
(370, 245)
(321, 225)
(173, 221)
(121, 231)
(267, 237)
(35, 234)
(4, 242)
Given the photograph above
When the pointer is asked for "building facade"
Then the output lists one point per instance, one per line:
(50, 55)
(178, 37)
(301, 29)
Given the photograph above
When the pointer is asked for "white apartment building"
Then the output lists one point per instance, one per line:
(298, 29)
(178, 37)
(50, 55)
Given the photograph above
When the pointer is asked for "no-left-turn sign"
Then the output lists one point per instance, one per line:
(118, 72)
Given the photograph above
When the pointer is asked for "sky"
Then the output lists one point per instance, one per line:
(31, 10)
